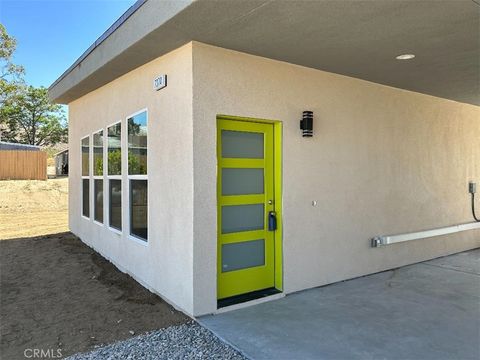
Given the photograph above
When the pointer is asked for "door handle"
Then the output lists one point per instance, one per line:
(272, 221)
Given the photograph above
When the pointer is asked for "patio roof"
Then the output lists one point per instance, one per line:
(354, 38)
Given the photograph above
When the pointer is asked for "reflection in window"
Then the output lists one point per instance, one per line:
(85, 197)
(98, 198)
(98, 153)
(114, 149)
(85, 153)
(137, 144)
(85, 178)
(115, 196)
(139, 208)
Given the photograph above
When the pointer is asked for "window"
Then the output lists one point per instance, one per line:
(85, 153)
(98, 176)
(98, 198)
(139, 208)
(115, 205)
(114, 134)
(114, 164)
(85, 156)
(85, 198)
(98, 153)
(137, 174)
(137, 144)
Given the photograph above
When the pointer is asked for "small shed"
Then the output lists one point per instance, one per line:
(22, 162)
(15, 146)
(61, 163)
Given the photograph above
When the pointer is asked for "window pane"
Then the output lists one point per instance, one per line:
(137, 144)
(85, 153)
(115, 149)
(243, 255)
(115, 196)
(242, 144)
(236, 218)
(139, 208)
(98, 197)
(242, 181)
(98, 153)
(86, 197)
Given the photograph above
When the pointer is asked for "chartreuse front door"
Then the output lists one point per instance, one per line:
(248, 211)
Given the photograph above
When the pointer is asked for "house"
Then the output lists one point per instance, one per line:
(189, 169)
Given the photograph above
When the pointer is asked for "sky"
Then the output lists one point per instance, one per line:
(52, 34)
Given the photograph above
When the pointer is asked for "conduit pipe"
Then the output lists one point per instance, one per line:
(392, 239)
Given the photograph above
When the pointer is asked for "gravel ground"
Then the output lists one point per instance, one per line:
(187, 341)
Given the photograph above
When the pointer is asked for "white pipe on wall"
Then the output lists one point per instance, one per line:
(392, 239)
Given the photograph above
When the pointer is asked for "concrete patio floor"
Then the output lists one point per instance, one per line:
(429, 310)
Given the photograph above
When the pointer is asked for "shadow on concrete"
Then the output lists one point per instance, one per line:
(424, 311)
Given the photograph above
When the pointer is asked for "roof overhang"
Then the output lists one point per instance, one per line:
(355, 38)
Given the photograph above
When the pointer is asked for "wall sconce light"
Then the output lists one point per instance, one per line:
(306, 124)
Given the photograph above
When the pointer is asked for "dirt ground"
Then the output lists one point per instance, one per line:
(58, 294)
(33, 208)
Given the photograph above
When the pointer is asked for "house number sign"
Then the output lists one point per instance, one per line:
(160, 82)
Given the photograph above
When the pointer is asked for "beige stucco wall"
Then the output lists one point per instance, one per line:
(164, 265)
(382, 161)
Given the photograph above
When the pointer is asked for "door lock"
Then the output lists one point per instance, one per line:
(272, 221)
(270, 202)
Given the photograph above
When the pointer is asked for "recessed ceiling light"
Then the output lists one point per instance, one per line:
(405, 57)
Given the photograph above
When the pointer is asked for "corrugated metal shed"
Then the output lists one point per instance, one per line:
(61, 163)
(15, 146)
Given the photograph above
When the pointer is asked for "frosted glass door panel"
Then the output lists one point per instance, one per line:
(242, 181)
(238, 218)
(242, 144)
(243, 255)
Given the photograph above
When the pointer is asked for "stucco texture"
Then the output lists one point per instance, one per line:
(381, 161)
(165, 263)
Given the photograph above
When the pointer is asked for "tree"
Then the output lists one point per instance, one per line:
(114, 162)
(8, 46)
(26, 113)
(11, 83)
(39, 121)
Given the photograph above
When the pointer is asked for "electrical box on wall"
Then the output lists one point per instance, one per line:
(472, 187)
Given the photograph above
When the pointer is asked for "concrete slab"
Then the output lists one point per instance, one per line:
(468, 261)
(424, 311)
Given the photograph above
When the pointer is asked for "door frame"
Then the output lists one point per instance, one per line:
(277, 175)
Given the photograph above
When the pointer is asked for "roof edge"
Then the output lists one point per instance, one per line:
(130, 11)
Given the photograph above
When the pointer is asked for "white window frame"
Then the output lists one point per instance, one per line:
(98, 177)
(86, 177)
(129, 177)
(115, 177)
